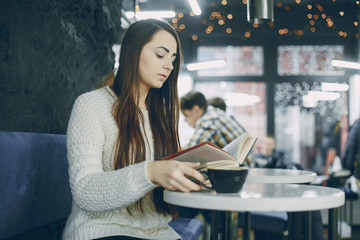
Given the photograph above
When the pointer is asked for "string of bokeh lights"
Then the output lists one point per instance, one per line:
(317, 16)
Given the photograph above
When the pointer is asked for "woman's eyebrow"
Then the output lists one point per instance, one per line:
(167, 50)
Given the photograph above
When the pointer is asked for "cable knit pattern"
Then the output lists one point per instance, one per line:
(100, 193)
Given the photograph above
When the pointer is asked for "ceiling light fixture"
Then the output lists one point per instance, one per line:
(195, 7)
(321, 96)
(241, 99)
(259, 11)
(345, 64)
(206, 65)
(334, 87)
(313, 97)
(151, 14)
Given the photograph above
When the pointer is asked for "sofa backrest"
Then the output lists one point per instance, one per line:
(34, 182)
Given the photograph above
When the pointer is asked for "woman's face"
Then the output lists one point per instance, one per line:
(156, 60)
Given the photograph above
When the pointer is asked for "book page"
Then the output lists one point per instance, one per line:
(217, 163)
(246, 146)
(235, 152)
(233, 147)
(240, 147)
(203, 154)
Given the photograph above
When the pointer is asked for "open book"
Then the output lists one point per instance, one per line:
(210, 155)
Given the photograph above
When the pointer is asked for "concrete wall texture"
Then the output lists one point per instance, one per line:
(51, 51)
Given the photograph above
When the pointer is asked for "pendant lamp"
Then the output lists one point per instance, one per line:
(259, 11)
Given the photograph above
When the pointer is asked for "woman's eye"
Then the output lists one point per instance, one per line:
(159, 56)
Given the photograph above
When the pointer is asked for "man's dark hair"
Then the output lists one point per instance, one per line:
(217, 102)
(189, 100)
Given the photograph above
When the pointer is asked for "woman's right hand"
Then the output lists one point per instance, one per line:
(173, 175)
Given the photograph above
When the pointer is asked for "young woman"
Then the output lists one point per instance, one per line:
(117, 133)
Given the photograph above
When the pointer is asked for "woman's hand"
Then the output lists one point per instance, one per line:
(172, 175)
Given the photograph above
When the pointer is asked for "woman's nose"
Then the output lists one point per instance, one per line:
(169, 65)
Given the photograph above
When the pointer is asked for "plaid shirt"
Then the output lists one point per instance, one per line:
(216, 127)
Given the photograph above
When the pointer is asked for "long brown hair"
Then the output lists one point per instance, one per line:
(162, 104)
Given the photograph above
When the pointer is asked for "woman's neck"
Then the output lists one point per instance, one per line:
(142, 98)
(142, 106)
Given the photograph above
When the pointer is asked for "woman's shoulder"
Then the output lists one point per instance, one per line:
(94, 93)
(95, 100)
(96, 96)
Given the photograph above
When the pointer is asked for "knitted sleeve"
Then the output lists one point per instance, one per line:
(94, 189)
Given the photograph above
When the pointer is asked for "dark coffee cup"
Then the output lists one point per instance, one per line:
(227, 179)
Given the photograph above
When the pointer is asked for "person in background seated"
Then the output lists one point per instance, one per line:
(268, 147)
(210, 123)
(351, 154)
(269, 157)
(116, 135)
(218, 102)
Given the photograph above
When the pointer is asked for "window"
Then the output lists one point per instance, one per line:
(309, 60)
(245, 101)
(240, 60)
(310, 118)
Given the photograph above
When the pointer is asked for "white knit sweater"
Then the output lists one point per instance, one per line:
(100, 193)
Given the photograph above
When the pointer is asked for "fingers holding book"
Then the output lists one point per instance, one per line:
(173, 175)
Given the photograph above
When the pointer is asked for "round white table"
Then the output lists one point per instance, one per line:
(273, 175)
(265, 197)
(277, 175)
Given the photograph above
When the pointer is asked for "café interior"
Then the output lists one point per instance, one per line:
(278, 75)
(285, 68)
(276, 65)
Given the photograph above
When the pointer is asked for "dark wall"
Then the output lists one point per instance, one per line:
(51, 51)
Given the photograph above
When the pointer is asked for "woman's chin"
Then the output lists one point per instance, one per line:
(159, 85)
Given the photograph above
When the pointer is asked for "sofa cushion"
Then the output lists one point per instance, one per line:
(34, 188)
(187, 228)
(34, 184)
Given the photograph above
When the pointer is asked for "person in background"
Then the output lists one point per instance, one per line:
(218, 102)
(269, 157)
(210, 123)
(116, 135)
(267, 152)
(351, 154)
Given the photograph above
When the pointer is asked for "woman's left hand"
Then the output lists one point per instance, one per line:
(173, 175)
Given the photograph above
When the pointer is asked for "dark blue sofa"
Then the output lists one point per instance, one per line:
(35, 197)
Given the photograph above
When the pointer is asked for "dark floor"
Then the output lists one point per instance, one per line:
(355, 234)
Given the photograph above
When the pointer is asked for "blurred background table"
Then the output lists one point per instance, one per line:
(277, 175)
